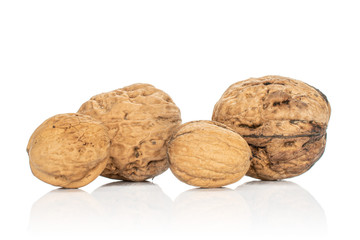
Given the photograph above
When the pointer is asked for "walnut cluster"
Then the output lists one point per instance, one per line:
(121, 134)
(268, 128)
(283, 120)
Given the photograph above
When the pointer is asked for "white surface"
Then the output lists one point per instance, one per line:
(54, 55)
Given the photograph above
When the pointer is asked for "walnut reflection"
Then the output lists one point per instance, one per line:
(64, 210)
(256, 209)
(283, 208)
(125, 207)
(210, 211)
(133, 206)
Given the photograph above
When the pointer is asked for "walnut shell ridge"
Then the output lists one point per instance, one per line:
(141, 120)
(208, 154)
(283, 120)
(69, 150)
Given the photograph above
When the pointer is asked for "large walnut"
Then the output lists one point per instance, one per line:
(283, 120)
(141, 119)
(69, 150)
(208, 154)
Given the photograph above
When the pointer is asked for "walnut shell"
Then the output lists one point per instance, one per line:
(69, 150)
(283, 120)
(140, 119)
(208, 154)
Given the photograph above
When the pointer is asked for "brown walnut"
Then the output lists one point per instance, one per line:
(208, 154)
(283, 120)
(140, 119)
(69, 150)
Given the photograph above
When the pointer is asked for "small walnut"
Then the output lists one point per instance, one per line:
(208, 154)
(140, 119)
(283, 120)
(69, 150)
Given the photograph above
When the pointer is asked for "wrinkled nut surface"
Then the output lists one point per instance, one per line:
(140, 119)
(208, 154)
(69, 150)
(283, 120)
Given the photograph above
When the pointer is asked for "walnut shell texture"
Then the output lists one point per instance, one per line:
(140, 119)
(69, 150)
(283, 120)
(208, 154)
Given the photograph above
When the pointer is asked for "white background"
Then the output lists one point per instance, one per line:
(54, 55)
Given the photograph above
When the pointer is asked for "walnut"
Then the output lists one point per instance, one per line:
(69, 150)
(283, 120)
(140, 119)
(208, 154)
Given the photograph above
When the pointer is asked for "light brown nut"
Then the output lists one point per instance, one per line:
(208, 154)
(283, 120)
(69, 150)
(140, 119)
